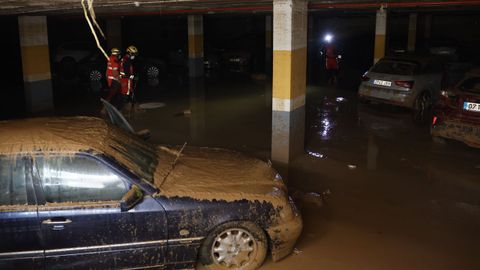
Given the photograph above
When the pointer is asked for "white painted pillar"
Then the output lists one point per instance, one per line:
(380, 34)
(37, 78)
(289, 81)
(412, 32)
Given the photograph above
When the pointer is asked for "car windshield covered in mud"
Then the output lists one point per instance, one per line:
(81, 193)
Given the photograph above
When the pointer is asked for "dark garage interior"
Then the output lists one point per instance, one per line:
(284, 134)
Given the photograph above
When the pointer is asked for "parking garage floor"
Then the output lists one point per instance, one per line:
(397, 200)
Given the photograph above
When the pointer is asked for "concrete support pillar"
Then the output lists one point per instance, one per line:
(268, 45)
(412, 32)
(197, 109)
(36, 63)
(428, 30)
(289, 81)
(380, 34)
(195, 46)
(114, 33)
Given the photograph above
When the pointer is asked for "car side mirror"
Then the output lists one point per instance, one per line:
(131, 198)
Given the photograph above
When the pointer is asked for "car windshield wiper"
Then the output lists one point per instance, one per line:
(179, 153)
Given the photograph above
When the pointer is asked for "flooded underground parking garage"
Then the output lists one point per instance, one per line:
(284, 134)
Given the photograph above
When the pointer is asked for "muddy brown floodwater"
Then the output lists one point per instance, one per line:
(398, 200)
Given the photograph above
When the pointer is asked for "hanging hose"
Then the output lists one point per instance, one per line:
(93, 30)
(94, 19)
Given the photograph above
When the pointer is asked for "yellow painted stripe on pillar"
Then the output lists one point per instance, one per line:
(379, 46)
(289, 73)
(195, 46)
(35, 60)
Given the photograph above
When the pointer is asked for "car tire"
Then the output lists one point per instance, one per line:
(234, 245)
(422, 107)
(152, 72)
(94, 75)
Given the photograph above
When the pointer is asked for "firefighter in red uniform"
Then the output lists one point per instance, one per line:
(331, 63)
(127, 70)
(331, 60)
(113, 74)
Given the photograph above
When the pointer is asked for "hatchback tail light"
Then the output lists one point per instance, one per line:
(405, 84)
(365, 78)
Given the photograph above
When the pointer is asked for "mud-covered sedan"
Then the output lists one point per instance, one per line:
(457, 113)
(81, 193)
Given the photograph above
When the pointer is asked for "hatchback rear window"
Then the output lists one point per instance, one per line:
(395, 67)
(471, 85)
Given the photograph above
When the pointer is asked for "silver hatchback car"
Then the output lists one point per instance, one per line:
(408, 81)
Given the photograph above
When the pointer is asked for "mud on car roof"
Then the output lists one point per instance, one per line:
(71, 135)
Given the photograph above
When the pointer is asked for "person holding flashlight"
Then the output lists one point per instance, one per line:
(331, 60)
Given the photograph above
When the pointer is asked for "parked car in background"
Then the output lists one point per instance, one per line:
(408, 81)
(81, 193)
(456, 115)
(89, 65)
(237, 61)
(68, 54)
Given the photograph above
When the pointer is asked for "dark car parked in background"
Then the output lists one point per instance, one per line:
(85, 62)
(457, 113)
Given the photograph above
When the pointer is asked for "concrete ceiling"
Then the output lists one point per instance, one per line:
(145, 7)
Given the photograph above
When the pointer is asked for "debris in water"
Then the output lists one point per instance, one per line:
(315, 154)
(184, 113)
(151, 105)
(297, 251)
(315, 198)
(352, 167)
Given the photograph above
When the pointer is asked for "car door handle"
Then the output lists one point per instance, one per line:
(57, 221)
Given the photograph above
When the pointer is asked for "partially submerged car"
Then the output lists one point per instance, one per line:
(407, 81)
(81, 193)
(457, 113)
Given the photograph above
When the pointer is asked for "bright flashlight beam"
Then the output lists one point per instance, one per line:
(328, 38)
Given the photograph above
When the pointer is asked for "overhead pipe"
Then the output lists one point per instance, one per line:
(352, 5)
(393, 4)
(311, 6)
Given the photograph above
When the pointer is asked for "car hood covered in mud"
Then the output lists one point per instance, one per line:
(217, 174)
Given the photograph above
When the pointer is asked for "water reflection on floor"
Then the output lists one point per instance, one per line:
(398, 201)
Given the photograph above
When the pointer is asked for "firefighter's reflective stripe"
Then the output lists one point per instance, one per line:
(113, 66)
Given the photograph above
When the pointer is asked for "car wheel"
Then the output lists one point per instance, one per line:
(94, 75)
(152, 72)
(234, 245)
(422, 108)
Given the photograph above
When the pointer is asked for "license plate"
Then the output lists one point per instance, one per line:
(470, 106)
(382, 83)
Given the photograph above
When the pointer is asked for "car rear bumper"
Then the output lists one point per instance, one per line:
(393, 97)
(457, 130)
(284, 237)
